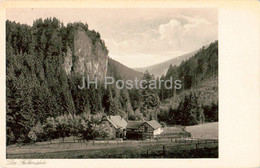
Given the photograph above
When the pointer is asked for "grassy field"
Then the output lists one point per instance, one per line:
(153, 149)
(172, 130)
(196, 146)
(204, 131)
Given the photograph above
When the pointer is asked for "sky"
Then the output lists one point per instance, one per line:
(138, 37)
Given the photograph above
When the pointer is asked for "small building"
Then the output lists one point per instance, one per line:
(143, 129)
(118, 125)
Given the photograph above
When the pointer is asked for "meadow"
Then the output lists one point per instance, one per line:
(204, 131)
(143, 149)
(203, 143)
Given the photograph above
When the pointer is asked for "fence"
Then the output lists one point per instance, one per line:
(157, 140)
(123, 149)
(161, 150)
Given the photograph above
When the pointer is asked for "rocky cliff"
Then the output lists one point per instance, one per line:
(88, 57)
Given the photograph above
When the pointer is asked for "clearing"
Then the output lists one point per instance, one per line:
(204, 131)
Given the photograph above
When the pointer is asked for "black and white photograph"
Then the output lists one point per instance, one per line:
(112, 83)
(106, 84)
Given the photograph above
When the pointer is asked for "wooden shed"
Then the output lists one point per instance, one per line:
(143, 129)
(118, 124)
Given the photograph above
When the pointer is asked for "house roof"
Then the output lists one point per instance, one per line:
(154, 124)
(136, 124)
(117, 121)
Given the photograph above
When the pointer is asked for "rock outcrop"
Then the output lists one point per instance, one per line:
(86, 58)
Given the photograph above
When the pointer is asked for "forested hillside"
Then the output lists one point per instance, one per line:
(120, 71)
(37, 84)
(45, 63)
(197, 101)
(161, 69)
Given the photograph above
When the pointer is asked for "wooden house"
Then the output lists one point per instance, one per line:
(143, 129)
(118, 125)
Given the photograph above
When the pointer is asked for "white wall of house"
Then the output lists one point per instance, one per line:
(157, 131)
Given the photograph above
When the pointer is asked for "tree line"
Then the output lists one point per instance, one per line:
(197, 101)
(86, 127)
(41, 96)
(38, 88)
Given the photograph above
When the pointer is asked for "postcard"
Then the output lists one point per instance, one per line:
(126, 83)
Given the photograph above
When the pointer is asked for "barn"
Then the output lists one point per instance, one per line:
(118, 125)
(143, 129)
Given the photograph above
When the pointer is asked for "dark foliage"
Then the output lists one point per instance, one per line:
(39, 93)
(197, 101)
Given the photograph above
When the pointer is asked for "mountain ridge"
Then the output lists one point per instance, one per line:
(161, 68)
(120, 71)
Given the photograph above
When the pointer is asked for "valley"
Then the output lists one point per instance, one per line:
(45, 64)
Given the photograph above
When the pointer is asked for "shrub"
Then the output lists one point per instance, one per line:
(36, 133)
(163, 124)
(105, 130)
(50, 128)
